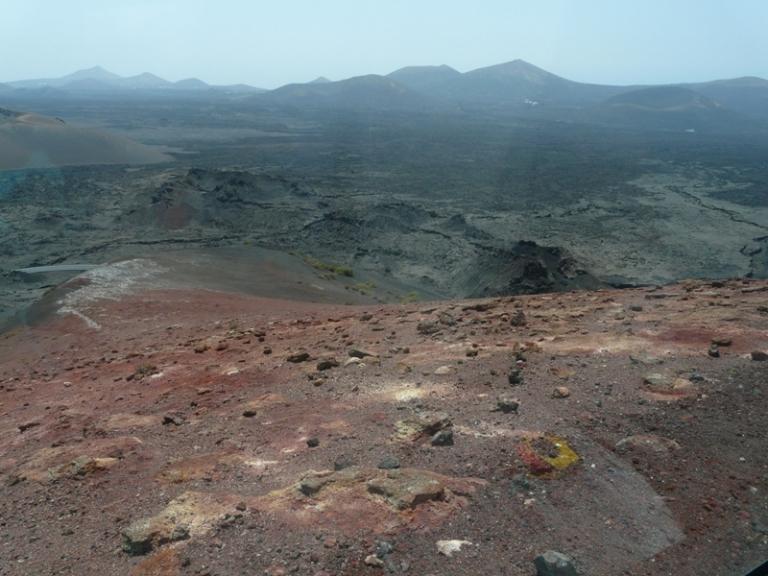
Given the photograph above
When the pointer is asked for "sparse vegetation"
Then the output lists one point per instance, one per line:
(332, 268)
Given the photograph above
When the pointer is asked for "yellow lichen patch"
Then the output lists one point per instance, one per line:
(566, 456)
(546, 456)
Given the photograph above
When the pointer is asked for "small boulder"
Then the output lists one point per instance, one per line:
(759, 356)
(449, 547)
(442, 438)
(357, 353)
(389, 463)
(374, 561)
(507, 405)
(515, 377)
(553, 563)
(298, 357)
(518, 319)
(427, 327)
(327, 364)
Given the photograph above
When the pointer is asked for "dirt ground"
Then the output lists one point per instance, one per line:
(154, 431)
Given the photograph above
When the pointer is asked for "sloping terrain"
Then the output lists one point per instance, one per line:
(34, 141)
(367, 92)
(148, 430)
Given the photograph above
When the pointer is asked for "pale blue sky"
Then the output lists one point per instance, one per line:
(271, 43)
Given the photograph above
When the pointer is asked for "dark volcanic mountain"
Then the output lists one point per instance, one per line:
(663, 98)
(748, 95)
(98, 79)
(518, 81)
(428, 79)
(369, 92)
(669, 108)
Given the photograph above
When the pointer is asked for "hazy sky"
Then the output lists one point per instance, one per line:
(271, 43)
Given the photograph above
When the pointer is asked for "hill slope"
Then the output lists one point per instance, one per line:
(369, 92)
(184, 432)
(34, 141)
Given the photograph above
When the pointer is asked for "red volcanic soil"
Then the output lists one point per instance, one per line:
(161, 432)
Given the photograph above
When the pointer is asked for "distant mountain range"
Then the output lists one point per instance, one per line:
(520, 88)
(99, 79)
(515, 87)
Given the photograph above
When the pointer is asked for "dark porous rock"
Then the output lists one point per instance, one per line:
(427, 327)
(327, 364)
(443, 438)
(553, 563)
(389, 463)
(515, 377)
(298, 357)
(507, 405)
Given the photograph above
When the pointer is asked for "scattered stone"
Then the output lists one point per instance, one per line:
(357, 353)
(722, 341)
(553, 563)
(636, 308)
(561, 392)
(267, 350)
(374, 561)
(449, 547)
(446, 319)
(442, 438)
(249, 413)
(389, 463)
(759, 356)
(298, 357)
(443, 370)
(27, 425)
(427, 327)
(518, 319)
(479, 307)
(384, 548)
(515, 377)
(714, 351)
(406, 489)
(645, 359)
(353, 361)
(201, 347)
(141, 537)
(647, 443)
(313, 442)
(327, 364)
(174, 419)
(421, 427)
(471, 353)
(343, 462)
(507, 405)
(664, 384)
